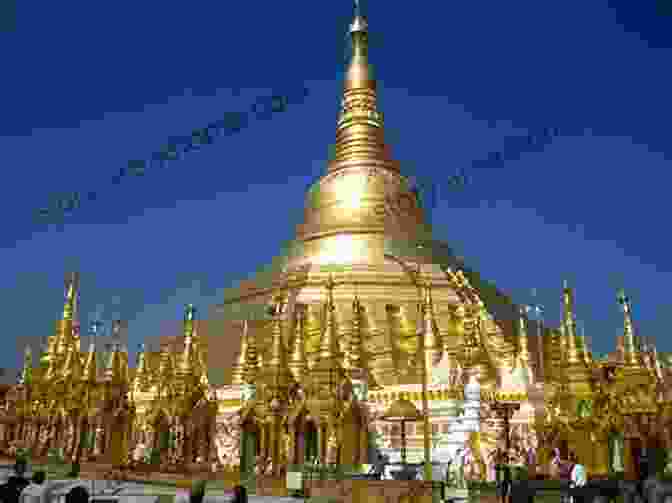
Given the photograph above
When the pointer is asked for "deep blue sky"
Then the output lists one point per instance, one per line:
(87, 86)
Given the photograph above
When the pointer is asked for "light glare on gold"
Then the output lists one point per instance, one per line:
(339, 249)
(351, 190)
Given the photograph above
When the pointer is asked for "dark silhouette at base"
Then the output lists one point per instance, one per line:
(197, 492)
(11, 490)
(239, 494)
(77, 494)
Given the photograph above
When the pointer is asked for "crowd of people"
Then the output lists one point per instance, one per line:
(574, 473)
(11, 491)
(570, 470)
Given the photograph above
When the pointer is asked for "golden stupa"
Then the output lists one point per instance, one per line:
(364, 309)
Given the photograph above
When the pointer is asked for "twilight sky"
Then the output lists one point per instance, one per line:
(88, 86)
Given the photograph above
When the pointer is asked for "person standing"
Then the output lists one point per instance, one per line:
(565, 472)
(377, 471)
(448, 476)
(507, 482)
(461, 460)
(239, 494)
(643, 470)
(183, 492)
(503, 471)
(11, 491)
(554, 469)
(577, 476)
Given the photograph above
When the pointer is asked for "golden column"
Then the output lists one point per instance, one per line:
(425, 413)
(278, 379)
(628, 458)
(329, 375)
(600, 442)
(432, 351)
(631, 353)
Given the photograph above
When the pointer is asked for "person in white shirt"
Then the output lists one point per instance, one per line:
(578, 477)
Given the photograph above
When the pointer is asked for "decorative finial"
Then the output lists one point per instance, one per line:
(356, 305)
(358, 23)
(622, 298)
(279, 304)
(95, 327)
(629, 340)
(71, 295)
(278, 358)
(26, 376)
(189, 312)
(428, 291)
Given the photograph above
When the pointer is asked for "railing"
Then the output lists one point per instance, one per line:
(332, 471)
(121, 493)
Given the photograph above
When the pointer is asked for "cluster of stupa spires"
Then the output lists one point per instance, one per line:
(175, 374)
(287, 363)
(63, 358)
(575, 356)
(637, 350)
(291, 362)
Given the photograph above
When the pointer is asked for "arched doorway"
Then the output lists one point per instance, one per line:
(160, 435)
(616, 452)
(638, 451)
(296, 427)
(249, 448)
(117, 445)
(310, 441)
(657, 455)
(564, 447)
(351, 442)
(85, 438)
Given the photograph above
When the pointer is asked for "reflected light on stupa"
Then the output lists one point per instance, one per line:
(340, 249)
(351, 191)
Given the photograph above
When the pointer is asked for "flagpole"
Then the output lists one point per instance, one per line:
(539, 311)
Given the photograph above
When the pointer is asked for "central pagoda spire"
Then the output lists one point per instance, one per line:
(359, 133)
(363, 198)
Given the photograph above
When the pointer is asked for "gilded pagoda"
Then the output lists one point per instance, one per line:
(365, 314)
(89, 406)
